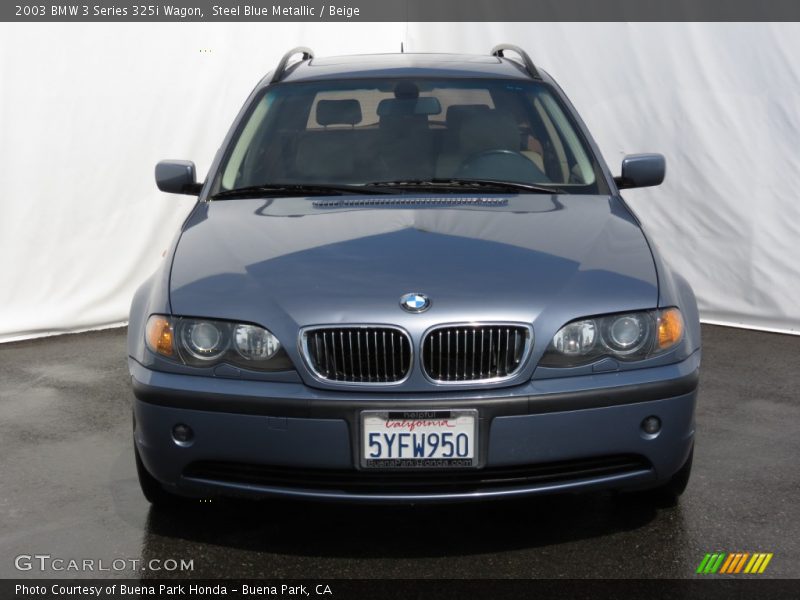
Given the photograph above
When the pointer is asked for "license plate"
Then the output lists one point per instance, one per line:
(419, 438)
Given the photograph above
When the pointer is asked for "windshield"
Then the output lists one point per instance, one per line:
(384, 131)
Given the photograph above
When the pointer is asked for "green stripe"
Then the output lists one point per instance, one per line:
(711, 562)
(703, 563)
(719, 562)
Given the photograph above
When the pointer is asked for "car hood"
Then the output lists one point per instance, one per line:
(292, 262)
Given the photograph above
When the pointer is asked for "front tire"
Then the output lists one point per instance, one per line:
(677, 484)
(152, 488)
(667, 494)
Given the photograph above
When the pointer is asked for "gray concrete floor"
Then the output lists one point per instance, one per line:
(68, 488)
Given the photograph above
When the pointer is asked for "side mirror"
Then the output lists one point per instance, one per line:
(641, 170)
(177, 177)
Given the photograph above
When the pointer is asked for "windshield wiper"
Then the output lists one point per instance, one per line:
(460, 184)
(297, 189)
(382, 187)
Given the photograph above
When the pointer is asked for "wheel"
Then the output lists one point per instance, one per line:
(677, 484)
(503, 165)
(152, 488)
(668, 493)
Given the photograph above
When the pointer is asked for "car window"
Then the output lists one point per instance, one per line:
(366, 131)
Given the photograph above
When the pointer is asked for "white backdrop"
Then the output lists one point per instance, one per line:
(86, 110)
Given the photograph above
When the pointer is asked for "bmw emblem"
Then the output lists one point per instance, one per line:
(415, 303)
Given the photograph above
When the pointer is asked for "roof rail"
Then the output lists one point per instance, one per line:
(280, 70)
(526, 60)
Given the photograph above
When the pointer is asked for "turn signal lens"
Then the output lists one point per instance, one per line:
(159, 335)
(670, 328)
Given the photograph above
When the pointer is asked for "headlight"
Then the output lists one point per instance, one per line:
(255, 343)
(203, 340)
(627, 337)
(628, 334)
(576, 339)
(207, 343)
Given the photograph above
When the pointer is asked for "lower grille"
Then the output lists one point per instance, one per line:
(360, 354)
(474, 352)
(453, 481)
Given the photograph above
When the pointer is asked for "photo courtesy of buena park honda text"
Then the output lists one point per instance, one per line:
(394, 299)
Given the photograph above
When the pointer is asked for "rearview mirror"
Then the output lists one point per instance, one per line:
(177, 177)
(641, 170)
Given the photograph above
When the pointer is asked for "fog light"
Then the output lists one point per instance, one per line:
(182, 434)
(651, 425)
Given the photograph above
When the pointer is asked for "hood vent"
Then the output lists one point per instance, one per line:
(406, 202)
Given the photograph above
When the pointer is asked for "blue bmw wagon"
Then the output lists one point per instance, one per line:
(412, 278)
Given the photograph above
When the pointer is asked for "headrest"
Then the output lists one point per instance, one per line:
(338, 112)
(393, 107)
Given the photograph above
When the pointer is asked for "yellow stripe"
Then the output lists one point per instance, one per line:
(757, 564)
(765, 563)
(741, 562)
(749, 566)
(728, 562)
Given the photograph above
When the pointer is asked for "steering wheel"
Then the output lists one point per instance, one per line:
(503, 165)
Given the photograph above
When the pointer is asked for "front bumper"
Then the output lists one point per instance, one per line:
(286, 439)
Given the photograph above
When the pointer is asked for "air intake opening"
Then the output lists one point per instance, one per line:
(358, 354)
(474, 352)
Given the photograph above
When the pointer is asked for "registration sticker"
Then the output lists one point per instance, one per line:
(419, 438)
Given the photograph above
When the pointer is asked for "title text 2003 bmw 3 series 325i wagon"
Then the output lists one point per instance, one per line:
(412, 278)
